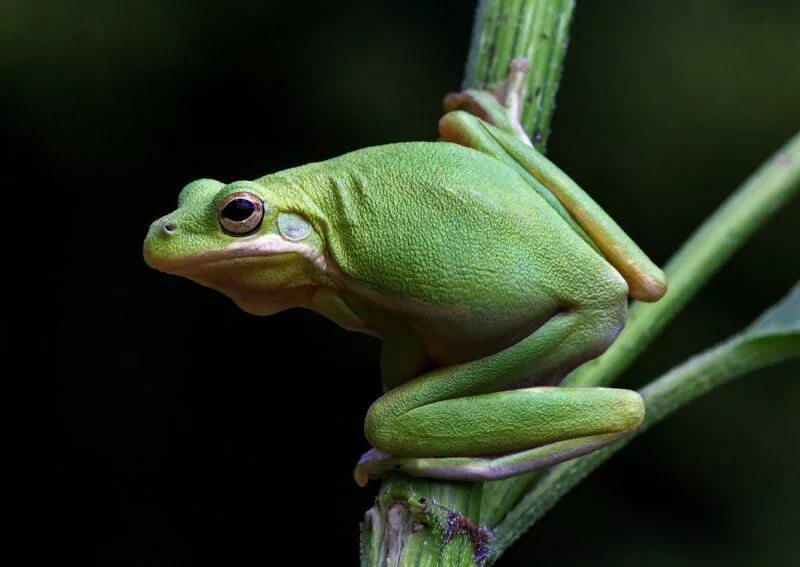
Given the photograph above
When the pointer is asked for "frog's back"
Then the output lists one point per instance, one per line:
(447, 235)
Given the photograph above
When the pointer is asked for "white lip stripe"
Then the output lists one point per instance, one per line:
(271, 245)
(267, 245)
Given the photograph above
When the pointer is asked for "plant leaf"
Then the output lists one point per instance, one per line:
(783, 317)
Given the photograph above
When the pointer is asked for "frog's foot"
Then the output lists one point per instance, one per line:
(501, 108)
(375, 463)
(372, 464)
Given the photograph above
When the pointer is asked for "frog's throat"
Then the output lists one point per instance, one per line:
(260, 246)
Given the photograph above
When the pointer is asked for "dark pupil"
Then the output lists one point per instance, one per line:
(238, 210)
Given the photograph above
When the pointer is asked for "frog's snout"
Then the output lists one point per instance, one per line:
(162, 228)
(158, 236)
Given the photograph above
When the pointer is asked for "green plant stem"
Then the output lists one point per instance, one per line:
(409, 523)
(744, 212)
(534, 29)
(772, 339)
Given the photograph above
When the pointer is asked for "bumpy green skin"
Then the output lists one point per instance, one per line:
(483, 286)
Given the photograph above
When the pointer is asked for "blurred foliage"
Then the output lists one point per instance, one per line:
(154, 449)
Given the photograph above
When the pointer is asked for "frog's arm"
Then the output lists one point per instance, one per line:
(645, 280)
(443, 423)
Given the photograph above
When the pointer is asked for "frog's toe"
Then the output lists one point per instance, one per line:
(372, 464)
(482, 104)
(500, 107)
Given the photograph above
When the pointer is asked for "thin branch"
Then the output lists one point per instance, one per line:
(762, 194)
(774, 338)
(537, 30)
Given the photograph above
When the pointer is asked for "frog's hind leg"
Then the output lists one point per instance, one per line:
(375, 463)
(548, 425)
(470, 411)
(501, 108)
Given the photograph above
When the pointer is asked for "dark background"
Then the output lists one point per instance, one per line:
(158, 425)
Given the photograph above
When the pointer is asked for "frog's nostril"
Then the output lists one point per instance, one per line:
(169, 227)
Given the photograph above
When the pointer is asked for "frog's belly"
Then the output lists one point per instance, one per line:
(454, 331)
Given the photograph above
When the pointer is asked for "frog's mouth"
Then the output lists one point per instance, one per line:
(258, 247)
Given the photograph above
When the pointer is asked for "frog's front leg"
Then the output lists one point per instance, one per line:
(459, 422)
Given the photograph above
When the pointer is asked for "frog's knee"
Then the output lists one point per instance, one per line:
(616, 299)
(616, 289)
(629, 410)
(377, 428)
(609, 309)
(637, 410)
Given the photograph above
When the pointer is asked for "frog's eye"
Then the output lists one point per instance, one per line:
(240, 213)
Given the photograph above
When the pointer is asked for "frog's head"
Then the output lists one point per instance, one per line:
(239, 240)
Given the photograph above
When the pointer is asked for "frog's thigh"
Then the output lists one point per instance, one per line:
(463, 411)
(511, 420)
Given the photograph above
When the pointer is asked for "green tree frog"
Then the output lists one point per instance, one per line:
(486, 271)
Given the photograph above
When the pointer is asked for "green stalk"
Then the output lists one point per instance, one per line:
(411, 525)
(438, 523)
(534, 29)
